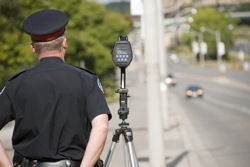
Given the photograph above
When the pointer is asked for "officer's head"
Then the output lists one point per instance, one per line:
(46, 29)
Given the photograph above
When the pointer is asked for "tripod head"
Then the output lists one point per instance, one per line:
(122, 56)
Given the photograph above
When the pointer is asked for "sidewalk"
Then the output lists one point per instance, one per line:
(179, 147)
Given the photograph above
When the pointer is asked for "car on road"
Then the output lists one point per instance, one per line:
(170, 80)
(174, 58)
(194, 91)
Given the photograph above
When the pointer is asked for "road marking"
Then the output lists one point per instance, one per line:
(220, 80)
(229, 105)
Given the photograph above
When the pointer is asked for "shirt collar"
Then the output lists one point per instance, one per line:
(51, 60)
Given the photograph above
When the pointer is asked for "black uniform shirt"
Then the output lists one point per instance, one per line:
(53, 105)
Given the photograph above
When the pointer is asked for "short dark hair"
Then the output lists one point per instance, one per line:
(48, 46)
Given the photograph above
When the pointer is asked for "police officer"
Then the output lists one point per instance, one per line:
(60, 112)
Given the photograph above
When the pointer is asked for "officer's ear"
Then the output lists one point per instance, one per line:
(32, 48)
(65, 44)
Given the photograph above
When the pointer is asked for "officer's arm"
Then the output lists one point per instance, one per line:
(96, 141)
(4, 160)
(4, 106)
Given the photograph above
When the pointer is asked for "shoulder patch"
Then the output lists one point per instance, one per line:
(87, 70)
(2, 90)
(15, 76)
(100, 85)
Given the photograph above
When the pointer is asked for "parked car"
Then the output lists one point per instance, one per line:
(171, 80)
(194, 91)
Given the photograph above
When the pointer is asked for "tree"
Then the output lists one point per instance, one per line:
(14, 55)
(120, 7)
(216, 21)
(91, 32)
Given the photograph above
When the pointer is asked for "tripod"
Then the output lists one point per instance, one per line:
(123, 130)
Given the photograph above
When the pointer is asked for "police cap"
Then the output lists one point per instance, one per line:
(45, 25)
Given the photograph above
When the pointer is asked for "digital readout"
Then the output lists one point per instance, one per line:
(121, 51)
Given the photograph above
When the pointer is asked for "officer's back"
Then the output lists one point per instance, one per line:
(60, 112)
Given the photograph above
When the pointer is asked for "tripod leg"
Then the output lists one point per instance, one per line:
(110, 154)
(125, 153)
(128, 136)
(132, 154)
(115, 140)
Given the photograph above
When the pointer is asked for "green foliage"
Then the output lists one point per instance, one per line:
(91, 32)
(216, 21)
(243, 7)
(14, 55)
(119, 7)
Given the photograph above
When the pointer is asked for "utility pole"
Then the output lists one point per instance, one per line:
(218, 40)
(202, 52)
(219, 46)
(155, 125)
(162, 63)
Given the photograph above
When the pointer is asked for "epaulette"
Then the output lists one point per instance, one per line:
(15, 76)
(87, 70)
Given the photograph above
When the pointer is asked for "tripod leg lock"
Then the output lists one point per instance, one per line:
(116, 135)
(128, 135)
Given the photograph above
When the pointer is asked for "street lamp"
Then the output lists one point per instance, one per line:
(218, 39)
(186, 11)
(219, 45)
(179, 15)
(203, 49)
(195, 45)
(199, 47)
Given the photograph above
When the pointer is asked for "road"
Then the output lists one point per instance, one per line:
(221, 118)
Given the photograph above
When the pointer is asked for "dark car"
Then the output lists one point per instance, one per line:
(194, 91)
(170, 80)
